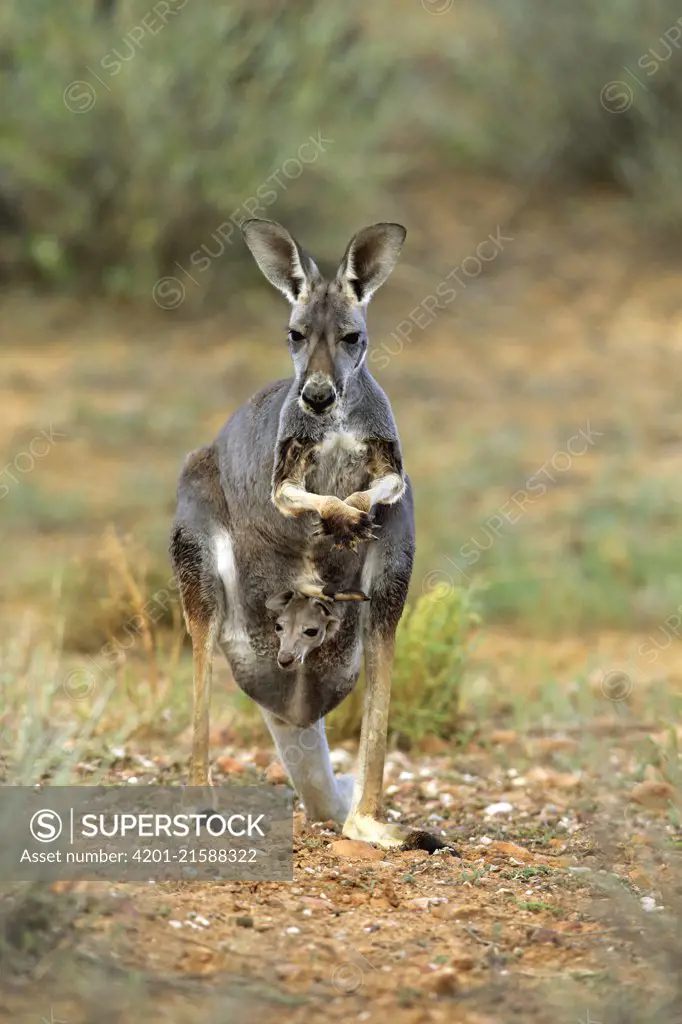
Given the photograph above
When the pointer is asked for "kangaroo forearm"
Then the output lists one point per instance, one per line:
(291, 499)
(386, 478)
(384, 491)
(289, 493)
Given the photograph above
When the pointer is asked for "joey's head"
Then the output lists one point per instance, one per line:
(327, 331)
(304, 623)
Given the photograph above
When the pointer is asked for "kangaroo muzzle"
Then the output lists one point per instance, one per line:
(318, 395)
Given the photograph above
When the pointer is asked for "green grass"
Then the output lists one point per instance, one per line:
(612, 559)
(537, 906)
(30, 505)
(132, 428)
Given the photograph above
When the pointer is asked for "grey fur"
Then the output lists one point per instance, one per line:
(240, 487)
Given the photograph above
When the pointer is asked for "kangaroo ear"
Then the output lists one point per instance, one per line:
(279, 602)
(280, 258)
(369, 259)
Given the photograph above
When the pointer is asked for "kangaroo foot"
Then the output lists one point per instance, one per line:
(369, 830)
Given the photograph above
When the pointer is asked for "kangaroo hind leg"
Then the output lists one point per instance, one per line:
(203, 604)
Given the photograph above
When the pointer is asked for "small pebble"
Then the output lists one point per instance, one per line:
(445, 983)
(500, 808)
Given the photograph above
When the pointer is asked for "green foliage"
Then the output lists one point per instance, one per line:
(432, 647)
(129, 140)
(593, 93)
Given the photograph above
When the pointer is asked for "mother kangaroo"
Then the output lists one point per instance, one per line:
(308, 470)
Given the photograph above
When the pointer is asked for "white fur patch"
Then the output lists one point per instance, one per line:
(234, 628)
(342, 440)
(369, 571)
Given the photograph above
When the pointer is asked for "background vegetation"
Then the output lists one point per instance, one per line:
(119, 159)
(135, 138)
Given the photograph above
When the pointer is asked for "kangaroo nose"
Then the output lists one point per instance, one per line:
(285, 659)
(319, 395)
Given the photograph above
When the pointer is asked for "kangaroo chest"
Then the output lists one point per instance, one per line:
(339, 465)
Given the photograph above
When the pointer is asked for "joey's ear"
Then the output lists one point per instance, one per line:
(369, 259)
(279, 602)
(280, 258)
(333, 624)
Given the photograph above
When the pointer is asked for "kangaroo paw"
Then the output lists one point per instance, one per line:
(370, 830)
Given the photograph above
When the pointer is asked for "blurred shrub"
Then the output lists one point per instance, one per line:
(592, 93)
(136, 132)
(431, 655)
(432, 652)
(116, 602)
(132, 131)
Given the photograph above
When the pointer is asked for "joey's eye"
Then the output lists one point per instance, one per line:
(295, 335)
(310, 632)
(351, 339)
(279, 627)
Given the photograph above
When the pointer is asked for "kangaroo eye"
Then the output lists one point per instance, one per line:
(296, 335)
(352, 338)
(310, 632)
(279, 627)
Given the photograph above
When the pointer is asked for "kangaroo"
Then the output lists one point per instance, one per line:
(313, 457)
(304, 623)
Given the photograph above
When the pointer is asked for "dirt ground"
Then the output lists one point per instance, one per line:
(522, 925)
